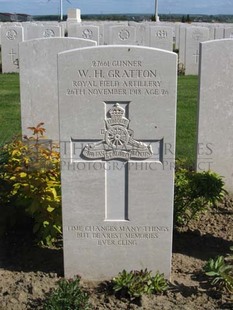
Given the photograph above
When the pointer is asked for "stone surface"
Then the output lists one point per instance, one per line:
(34, 31)
(194, 35)
(38, 81)
(122, 35)
(89, 32)
(74, 15)
(182, 45)
(228, 33)
(117, 122)
(215, 127)
(218, 33)
(161, 37)
(11, 36)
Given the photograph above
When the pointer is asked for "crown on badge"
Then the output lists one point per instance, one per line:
(116, 111)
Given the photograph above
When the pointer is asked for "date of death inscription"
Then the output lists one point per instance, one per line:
(118, 235)
(117, 78)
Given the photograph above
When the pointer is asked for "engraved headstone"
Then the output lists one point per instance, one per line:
(182, 44)
(215, 126)
(117, 126)
(122, 35)
(228, 32)
(38, 81)
(11, 36)
(88, 32)
(161, 37)
(42, 31)
(194, 35)
(218, 33)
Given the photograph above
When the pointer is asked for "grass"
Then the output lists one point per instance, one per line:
(186, 113)
(187, 118)
(10, 123)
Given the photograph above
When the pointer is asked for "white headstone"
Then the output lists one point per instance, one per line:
(218, 33)
(117, 117)
(228, 33)
(182, 44)
(215, 126)
(122, 35)
(38, 81)
(161, 37)
(11, 36)
(194, 35)
(88, 32)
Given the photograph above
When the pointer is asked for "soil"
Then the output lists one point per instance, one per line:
(28, 273)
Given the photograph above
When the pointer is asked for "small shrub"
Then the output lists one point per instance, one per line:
(220, 270)
(134, 284)
(30, 185)
(68, 296)
(181, 69)
(195, 192)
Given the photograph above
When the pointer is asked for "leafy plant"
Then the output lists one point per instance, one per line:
(220, 270)
(195, 192)
(181, 69)
(134, 284)
(30, 184)
(68, 296)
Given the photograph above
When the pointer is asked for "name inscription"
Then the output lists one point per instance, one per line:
(112, 235)
(118, 77)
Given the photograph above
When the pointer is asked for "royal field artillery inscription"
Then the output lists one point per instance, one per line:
(117, 111)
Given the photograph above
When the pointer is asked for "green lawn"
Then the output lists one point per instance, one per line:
(186, 112)
(9, 107)
(186, 118)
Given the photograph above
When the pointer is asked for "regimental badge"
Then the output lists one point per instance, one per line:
(119, 142)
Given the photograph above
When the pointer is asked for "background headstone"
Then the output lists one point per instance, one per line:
(38, 81)
(117, 110)
(161, 37)
(122, 35)
(215, 125)
(228, 33)
(88, 32)
(194, 35)
(11, 36)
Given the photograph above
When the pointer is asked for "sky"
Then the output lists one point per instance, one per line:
(41, 7)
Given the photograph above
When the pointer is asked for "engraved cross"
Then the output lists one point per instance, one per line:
(118, 150)
(196, 55)
(12, 54)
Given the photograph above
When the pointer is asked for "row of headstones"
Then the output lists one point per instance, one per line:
(156, 36)
(143, 34)
(188, 40)
(113, 111)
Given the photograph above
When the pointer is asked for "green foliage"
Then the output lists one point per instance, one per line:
(134, 284)
(220, 270)
(195, 192)
(30, 184)
(68, 296)
(181, 69)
